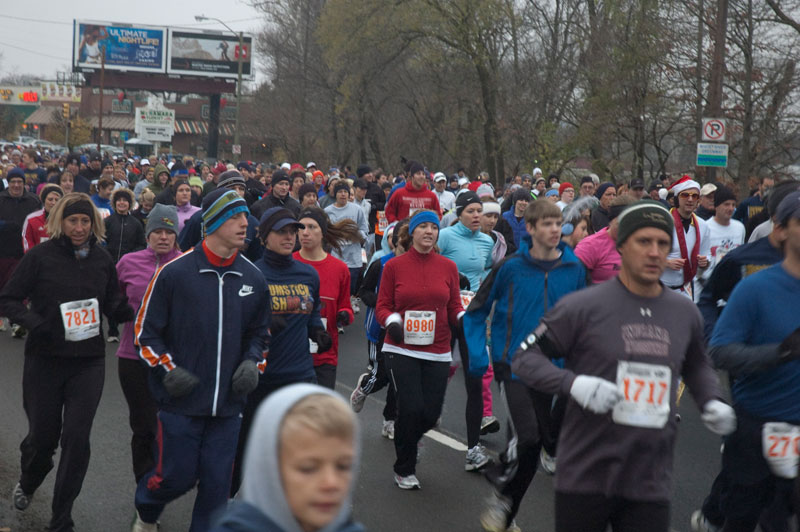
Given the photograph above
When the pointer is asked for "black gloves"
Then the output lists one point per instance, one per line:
(180, 382)
(321, 338)
(276, 325)
(342, 318)
(245, 378)
(790, 347)
(463, 282)
(395, 332)
(125, 314)
(502, 371)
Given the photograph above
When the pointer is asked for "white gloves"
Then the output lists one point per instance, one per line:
(595, 394)
(719, 417)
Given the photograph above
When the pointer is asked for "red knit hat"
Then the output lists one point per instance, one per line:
(563, 187)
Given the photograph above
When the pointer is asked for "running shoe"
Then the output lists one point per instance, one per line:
(547, 462)
(699, 523)
(112, 339)
(18, 331)
(21, 499)
(513, 527)
(141, 526)
(358, 396)
(354, 304)
(495, 516)
(489, 424)
(388, 429)
(340, 329)
(407, 483)
(476, 458)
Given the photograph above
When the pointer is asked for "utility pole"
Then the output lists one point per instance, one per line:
(714, 109)
(102, 93)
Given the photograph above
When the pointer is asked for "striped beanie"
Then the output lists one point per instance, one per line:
(220, 205)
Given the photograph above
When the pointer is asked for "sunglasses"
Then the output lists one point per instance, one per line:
(689, 195)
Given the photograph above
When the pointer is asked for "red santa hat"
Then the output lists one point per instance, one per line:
(684, 183)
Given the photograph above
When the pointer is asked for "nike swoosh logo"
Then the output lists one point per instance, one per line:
(243, 292)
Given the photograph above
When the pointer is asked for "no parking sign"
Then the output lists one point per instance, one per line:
(714, 129)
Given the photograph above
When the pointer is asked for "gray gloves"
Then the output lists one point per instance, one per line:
(245, 378)
(180, 382)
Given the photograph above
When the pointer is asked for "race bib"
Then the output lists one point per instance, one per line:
(646, 394)
(419, 327)
(81, 319)
(383, 223)
(781, 447)
(466, 298)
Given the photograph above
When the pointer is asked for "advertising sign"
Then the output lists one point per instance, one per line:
(210, 54)
(60, 92)
(155, 122)
(127, 47)
(14, 95)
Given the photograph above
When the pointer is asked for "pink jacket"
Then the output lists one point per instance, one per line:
(135, 270)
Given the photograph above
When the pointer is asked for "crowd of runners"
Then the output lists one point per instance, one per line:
(593, 306)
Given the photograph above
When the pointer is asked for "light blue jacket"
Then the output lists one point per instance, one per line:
(470, 250)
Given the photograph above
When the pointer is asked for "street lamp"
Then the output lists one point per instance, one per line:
(201, 18)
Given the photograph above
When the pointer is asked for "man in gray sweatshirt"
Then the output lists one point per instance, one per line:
(342, 209)
(626, 343)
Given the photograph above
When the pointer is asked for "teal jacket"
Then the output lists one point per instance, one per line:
(470, 250)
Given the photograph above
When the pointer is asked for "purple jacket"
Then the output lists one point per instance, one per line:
(184, 213)
(135, 270)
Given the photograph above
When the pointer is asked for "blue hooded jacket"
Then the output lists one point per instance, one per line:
(521, 293)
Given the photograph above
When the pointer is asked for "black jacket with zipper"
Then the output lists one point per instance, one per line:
(124, 234)
(49, 275)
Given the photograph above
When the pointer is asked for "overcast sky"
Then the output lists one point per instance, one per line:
(37, 36)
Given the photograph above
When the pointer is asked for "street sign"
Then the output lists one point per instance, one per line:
(236, 149)
(714, 129)
(154, 122)
(709, 154)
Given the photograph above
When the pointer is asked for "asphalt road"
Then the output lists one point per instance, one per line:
(450, 499)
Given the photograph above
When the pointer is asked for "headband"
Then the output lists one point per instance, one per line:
(81, 206)
(491, 207)
(421, 218)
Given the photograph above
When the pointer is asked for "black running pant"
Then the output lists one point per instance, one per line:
(60, 398)
(142, 414)
(420, 386)
(593, 513)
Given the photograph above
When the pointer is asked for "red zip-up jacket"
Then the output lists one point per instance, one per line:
(417, 281)
(334, 296)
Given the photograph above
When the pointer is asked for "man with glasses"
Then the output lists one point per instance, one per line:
(691, 239)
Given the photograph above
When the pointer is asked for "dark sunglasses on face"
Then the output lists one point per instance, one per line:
(689, 195)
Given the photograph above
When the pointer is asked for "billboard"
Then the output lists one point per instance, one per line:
(211, 54)
(127, 47)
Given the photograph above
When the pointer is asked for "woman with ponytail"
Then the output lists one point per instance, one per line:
(317, 238)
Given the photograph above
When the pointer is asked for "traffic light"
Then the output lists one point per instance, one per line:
(65, 110)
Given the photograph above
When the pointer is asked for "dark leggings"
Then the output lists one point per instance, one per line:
(142, 414)
(474, 386)
(593, 513)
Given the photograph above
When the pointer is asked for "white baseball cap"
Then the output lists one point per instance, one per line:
(310, 164)
(439, 176)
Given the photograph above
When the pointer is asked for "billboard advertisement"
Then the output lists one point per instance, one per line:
(210, 54)
(127, 47)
